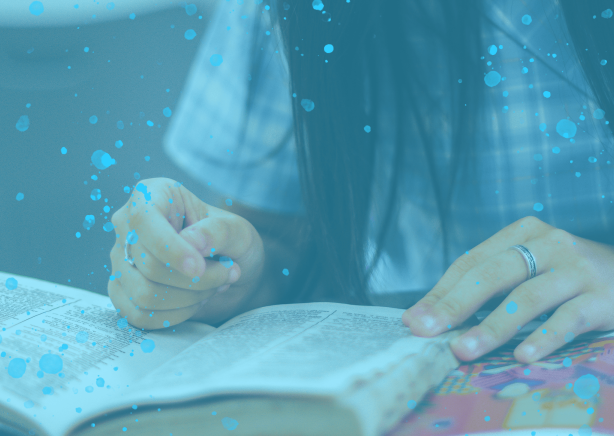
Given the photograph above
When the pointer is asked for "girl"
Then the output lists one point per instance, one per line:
(354, 148)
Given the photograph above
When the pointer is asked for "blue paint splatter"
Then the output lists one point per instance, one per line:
(11, 283)
(17, 367)
(51, 363)
(82, 337)
(492, 50)
(132, 16)
(40, 374)
(603, 62)
(102, 160)
(525, 70)
(89, 389)
(317, 5)
(586, 386)
(43, 338)
(100, 382)
(537, 157)
(48, 390)
(78, 410)
(526, 20)
(216, 60)
(63, 150)
(542, 127)
(511, 307)
(148, 346)
(110, 6)
(285, 271)
(492, 79)
(89, 222)
(19, 196)
(538, 207)
(150, 123)
(137, 176)
(412, 404)
(93, 119)
(328, 48)
(142, 188)
(23, 123)
(36, 8)
(307, 104)
(566, 129)
(166, 323)
(191, 9)
(167, 112)
(567, 362)
(28, 404)
(127, 189)
(367, 128)
(229, 423)
(228, 202)
(120, 124)
(546, 94)
(119, 143)
(598, 114)
(226, 261)
(132, 237)
(95, 194)
(189, 34)
(122, 323)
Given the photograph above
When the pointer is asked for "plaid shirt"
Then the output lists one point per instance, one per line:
(523, 165)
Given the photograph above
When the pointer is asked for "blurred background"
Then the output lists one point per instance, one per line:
(61, 68)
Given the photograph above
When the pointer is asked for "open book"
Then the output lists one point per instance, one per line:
(71, 365)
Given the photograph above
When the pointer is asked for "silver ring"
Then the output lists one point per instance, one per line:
(529, 259)
(126, 254)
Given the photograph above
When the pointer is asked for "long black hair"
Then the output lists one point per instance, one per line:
(335, 153)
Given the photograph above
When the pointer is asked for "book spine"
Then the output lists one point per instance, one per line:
(380, 403)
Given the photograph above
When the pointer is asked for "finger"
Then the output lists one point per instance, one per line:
(500, 273)
(216, 274)
(579, 315)
(149, 295)
(143, 318)
(518, 232)
(524, 304)
(221, 234)
(153, 231)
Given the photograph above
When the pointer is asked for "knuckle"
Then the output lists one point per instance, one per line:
(558, 235)
(144, 297)
(490, 329)
(529, 221)
(449, 306)
(531, 297)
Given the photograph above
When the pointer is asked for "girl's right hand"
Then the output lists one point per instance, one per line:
(173, 274)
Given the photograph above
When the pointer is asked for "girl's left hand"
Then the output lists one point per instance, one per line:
(574, 274)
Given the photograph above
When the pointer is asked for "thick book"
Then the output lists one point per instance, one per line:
(72, 365)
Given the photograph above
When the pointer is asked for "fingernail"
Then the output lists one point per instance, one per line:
(528, 351)
(205, 301)
(198, 241)
(222, 288)
(189, 267)
(469, 344)
(427, 321)
(233, 277)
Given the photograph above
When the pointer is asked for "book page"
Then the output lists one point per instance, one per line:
(61, 342)
(318, 348)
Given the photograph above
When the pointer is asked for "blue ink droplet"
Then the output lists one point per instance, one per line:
(148, 346)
